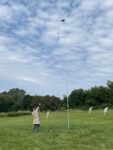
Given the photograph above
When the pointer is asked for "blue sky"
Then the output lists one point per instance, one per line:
(38, 52)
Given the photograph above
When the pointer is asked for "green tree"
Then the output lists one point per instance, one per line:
(17, 96)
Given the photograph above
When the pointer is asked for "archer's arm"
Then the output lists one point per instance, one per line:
(37, 108)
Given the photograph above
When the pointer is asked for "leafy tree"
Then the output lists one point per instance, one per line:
(77, 98)
(110, 84)
(5, 103)
(97, 96)
(17, 96)
(27, 102)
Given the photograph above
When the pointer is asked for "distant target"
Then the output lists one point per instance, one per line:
(62, 20)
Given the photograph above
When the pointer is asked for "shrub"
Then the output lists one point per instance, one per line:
(18, 113)
(3, 114)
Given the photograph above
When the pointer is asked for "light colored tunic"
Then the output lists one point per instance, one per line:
(35, 114)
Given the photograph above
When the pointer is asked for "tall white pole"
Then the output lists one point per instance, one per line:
(68, 121)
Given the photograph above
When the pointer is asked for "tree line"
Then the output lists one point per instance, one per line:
(98, 96)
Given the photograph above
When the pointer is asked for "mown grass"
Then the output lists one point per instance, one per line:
(87, 132)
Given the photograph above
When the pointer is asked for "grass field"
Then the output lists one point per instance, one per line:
(87, 132)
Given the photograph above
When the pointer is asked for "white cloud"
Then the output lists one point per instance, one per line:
(107, 4)
(40, 51)
(5, 12)
(28, 79)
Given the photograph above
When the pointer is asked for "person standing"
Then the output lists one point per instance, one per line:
(36, 119)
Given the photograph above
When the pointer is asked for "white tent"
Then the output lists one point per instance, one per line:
(105, 110)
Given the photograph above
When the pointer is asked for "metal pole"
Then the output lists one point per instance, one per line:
(68, 122)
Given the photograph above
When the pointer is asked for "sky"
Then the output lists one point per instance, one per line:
(39, 52)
